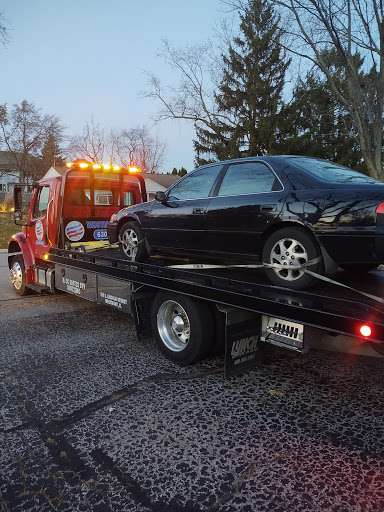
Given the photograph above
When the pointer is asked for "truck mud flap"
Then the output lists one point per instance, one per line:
(243, 348)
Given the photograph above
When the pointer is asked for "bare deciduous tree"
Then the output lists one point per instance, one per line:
(23, 131)
(128, 147)
(4, 32)
(354, 29)
(137, 147)
(193, 98)
(91, 144)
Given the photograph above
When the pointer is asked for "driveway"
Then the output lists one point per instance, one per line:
(6, 290)
(93, 420)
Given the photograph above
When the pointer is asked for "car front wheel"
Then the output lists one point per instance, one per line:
(291, 249)
(132, 242)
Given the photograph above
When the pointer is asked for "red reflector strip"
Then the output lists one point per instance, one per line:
(380, 208)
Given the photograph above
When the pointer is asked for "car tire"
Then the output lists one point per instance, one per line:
(183, 328)
(292, 247)
(359, 268)
(17, 272)
(132, 242)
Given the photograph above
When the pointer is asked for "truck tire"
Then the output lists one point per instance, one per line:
(132, 242)
(183, 328)
(292, 247)
(17, 272)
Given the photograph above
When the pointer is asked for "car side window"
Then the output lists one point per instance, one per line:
(197, 185)
(248, 178)
(41, 203)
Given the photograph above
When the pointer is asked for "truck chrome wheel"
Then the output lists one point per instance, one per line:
(173, 326)
(129, 243)
(290, 253)
(183, 327)
(16, 275)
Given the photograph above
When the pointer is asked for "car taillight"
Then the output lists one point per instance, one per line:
(380, 208)
(365, 331)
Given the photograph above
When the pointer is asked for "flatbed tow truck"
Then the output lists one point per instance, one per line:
(191, 309)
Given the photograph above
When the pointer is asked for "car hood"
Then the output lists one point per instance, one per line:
(140, 207)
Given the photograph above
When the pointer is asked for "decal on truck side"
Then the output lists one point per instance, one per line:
(100, 227)
(39, 230)
(73, 286)
(74, 231)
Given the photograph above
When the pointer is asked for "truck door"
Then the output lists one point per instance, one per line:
(40, 223)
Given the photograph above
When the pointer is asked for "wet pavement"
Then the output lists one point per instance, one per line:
(93, 420)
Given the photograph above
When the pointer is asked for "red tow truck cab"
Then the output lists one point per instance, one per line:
(70, 205)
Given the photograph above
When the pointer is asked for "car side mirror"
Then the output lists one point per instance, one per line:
(161, 197)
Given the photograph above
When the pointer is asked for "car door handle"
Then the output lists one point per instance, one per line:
(198, 211)
(267, 207)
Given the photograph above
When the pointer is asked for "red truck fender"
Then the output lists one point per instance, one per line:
(19, 244)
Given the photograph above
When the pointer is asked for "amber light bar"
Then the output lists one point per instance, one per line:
(104, 167)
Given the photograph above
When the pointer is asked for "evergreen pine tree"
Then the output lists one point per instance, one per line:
(182, 172)
(174, 171)
(315, 124)
(51, 156)
(250, 91)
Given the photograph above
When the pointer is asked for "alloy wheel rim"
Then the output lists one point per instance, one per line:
(130, 242)
(291, 254)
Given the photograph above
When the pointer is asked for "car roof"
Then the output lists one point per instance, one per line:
(265, 158)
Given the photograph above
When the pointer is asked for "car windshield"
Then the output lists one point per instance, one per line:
(329, 171)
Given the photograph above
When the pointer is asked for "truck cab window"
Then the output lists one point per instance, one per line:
(41, 203)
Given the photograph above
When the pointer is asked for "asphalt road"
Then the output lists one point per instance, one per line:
(91, 420)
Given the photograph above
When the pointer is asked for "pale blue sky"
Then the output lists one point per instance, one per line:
(78, 58)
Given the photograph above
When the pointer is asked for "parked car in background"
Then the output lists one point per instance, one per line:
(297, 213)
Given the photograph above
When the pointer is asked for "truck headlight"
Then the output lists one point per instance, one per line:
(113, 218)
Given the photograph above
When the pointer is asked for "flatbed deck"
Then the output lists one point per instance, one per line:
(327, 306)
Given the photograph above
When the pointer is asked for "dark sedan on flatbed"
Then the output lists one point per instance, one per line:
(294, 214)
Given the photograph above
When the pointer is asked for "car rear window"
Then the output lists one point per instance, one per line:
(329, 171)
(248, 178)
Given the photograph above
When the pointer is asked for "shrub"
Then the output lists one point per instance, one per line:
(7, 204)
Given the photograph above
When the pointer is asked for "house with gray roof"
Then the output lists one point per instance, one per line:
(9, 174)
(158, 183)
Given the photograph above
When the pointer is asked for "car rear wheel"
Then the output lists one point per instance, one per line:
(132, 242)
(359, 268)
(292, 248)
(182, 327)
(17, 275)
